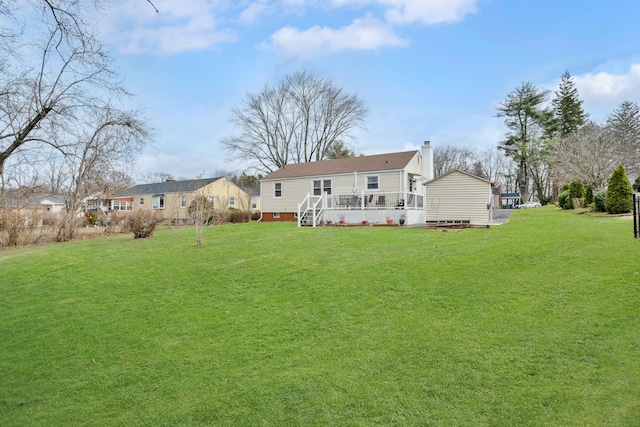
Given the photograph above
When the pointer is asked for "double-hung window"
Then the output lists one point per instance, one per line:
(183, 201)
(373, 182)
(277, 190)
(158, 201)
(321, 186)
(232, 202)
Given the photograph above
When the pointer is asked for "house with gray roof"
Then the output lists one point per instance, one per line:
(172, 198)
(374, 188)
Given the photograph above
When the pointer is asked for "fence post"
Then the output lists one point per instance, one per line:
(636, 215)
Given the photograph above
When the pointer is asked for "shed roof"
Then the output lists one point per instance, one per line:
(459, 171)
(166, 187)
(376, 162)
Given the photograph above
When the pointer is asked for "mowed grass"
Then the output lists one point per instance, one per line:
(535, 322)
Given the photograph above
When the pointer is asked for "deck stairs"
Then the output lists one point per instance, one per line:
(306, 219)
(310, 211)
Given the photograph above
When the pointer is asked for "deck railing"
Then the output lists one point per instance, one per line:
(382, 200)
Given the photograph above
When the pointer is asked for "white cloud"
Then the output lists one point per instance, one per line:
(427, 11)
(603, 91)
(253, 12)
(606, 87)
(189, 25)
(404, 12)
(363, 34)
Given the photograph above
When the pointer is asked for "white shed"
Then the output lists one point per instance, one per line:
(459, 196)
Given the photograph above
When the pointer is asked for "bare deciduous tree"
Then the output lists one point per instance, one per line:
(201, 212)
(589, 155)
(448, 157)
(59, 101)
(100, 147)
(56, 77)
(298, 120)
(491, 162)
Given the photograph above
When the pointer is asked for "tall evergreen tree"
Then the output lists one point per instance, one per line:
(619, 192)
(567, 107)
(529, 124)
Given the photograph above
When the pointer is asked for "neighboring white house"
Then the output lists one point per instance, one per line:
(365, 188)
(459, 196)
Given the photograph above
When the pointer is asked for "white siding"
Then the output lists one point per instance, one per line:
(294, 190)
(458, 196)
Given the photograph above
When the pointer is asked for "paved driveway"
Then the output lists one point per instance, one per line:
(501, 216)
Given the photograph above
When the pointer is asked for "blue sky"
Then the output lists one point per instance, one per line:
(427, 69)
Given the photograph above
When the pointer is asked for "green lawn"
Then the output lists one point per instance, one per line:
(535, 322)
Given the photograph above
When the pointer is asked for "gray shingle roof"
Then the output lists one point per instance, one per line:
(377, 162)
(33, 200)
(166, 187)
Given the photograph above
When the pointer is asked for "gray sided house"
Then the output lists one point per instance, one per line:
(459, 197)
(372, 189)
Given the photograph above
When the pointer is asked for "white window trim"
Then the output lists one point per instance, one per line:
(121, 205)
(366, 182)
(141, 201)
(322, 187)
(183, 201)
(232, 202)
(157, 205)
(275, 189)
(275, 215)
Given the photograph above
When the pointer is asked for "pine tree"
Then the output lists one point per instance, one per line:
(529, 123)
(567, 107)
(619, 193)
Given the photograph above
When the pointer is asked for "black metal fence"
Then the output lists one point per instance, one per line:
(636, 216)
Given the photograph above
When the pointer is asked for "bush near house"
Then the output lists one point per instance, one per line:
(619, 192)
(576, 190)
(599, 201)
(588, 195)
(91, 218)
(564, 200)
(238, 216)
(18, 228)
(142, 223)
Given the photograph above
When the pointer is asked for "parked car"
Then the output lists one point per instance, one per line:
(528, 205)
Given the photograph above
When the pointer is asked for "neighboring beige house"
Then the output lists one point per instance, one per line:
(458, 196)
(173, 198)
(254, 193)
(356, 189)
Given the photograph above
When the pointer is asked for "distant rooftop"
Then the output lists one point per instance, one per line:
(166, 187)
